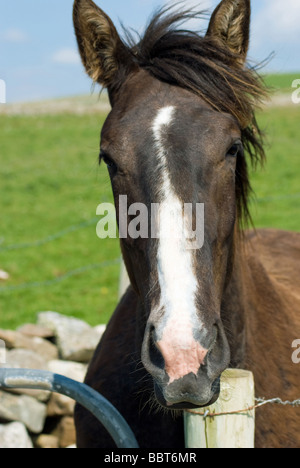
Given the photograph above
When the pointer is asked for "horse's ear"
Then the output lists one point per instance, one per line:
(230, 23)
(105, 57)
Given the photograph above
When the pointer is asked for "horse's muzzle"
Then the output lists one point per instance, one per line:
(186, 376)
(174, 396)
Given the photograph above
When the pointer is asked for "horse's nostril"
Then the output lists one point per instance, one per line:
(152, 358)
(155, 355)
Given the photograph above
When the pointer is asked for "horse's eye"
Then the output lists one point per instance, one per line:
(108, 161)
(234, 150)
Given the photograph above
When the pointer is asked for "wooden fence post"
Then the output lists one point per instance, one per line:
(230, 430)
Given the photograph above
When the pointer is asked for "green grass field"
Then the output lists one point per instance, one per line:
(51, 185)
(281, 83)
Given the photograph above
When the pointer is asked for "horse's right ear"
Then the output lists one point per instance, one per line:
(105, 57)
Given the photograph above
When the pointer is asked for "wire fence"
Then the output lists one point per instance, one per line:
(46, 240)
(259, 403)
(292, 196)
(60, 279)
(75, 228)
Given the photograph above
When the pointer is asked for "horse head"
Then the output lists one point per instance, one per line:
(181, 124)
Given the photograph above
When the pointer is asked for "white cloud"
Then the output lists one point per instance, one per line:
(14, 35)
(66, 56)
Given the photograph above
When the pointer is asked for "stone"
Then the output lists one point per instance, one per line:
(47, 441)
(23, 408)
(59, 344)
(65, 431)
(9, 338)
(4, 276)
(43, 348)
(70, 369)
(14, 435)
(100, 329)
(2, 354)
(27, 359)
(76, 340)
(61, 405)
(17, 340)
(31, 330)
(54, 321)
(81, 347)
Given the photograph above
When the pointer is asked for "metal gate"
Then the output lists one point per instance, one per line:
(101, 408)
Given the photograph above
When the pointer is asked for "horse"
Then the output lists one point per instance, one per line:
(183, 129)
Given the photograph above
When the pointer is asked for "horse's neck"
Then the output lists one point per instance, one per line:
(246, 312)
(233, 308)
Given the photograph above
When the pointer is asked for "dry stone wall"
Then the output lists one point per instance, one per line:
(56, 343)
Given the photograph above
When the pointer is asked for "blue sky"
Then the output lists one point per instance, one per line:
(38, 52)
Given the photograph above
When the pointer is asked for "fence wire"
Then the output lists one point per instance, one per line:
(259, 403)
(69, 274)
(276, 401)
(48, 239)
(72, 229)
(90, 222)
(292, 196)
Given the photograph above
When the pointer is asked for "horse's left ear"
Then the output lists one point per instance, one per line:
(104, 55)
(230, 23)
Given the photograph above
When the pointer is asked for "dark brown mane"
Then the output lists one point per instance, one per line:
(206, 67)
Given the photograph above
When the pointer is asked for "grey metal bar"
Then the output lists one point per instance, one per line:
(101, 408)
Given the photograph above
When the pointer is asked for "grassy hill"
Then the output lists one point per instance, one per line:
(281, 83)
(51, 185)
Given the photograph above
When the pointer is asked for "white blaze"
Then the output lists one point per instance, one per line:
(177, 279)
